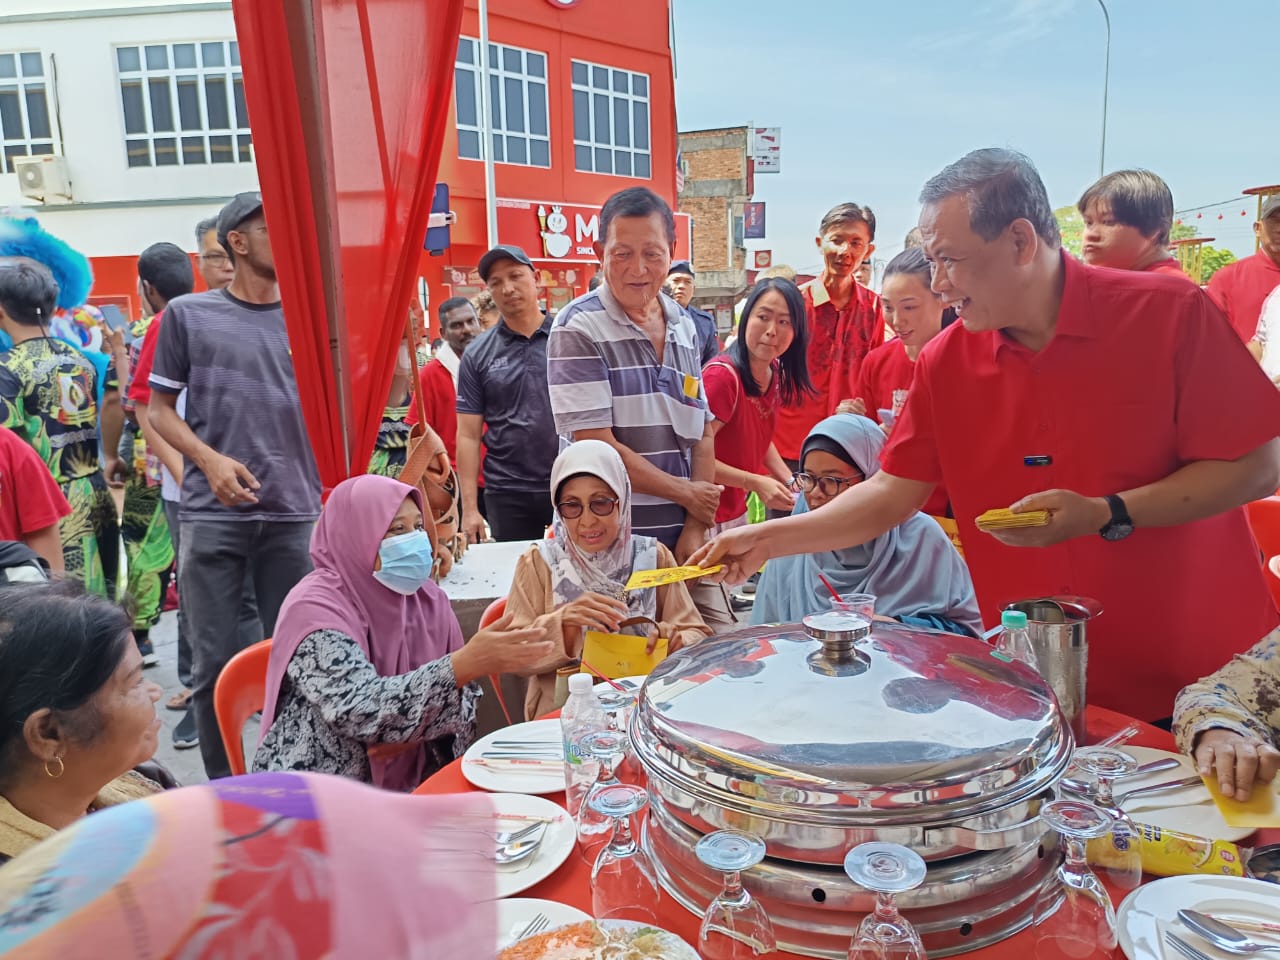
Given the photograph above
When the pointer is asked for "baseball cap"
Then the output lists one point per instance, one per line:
(502, 252)
(240, 208)
(682, 266)
(1271, 206)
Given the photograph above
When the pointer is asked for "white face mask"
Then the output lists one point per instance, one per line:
(406, 562)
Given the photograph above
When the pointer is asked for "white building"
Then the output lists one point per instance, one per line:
(142, 100)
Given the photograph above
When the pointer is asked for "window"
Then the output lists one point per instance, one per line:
(610, 120)
(517, 97)
(183, 104)
(25, 127)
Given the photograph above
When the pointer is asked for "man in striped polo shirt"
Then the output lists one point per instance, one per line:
(624, 367)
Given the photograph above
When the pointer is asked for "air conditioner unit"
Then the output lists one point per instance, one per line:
(44, 178)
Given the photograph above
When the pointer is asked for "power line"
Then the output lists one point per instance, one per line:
(1220, 203)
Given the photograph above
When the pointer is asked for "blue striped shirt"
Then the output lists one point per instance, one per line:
(604, 372)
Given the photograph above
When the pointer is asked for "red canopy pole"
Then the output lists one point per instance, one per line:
(349, 105)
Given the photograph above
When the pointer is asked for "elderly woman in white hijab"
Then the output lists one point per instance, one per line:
(914, 572)
(574, 581)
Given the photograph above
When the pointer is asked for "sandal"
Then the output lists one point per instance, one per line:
(179, 701)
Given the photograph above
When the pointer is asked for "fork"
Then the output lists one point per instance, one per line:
(542, 922)
(504, 837)
(1184, 948)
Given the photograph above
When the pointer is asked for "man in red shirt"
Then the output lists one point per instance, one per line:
(845, 323)
(1127, 219)
(1038, 401)
(438, 379)
(31, 502)
(1242, 287)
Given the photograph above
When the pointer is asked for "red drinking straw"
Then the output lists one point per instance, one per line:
(825, 582)
(616, 686)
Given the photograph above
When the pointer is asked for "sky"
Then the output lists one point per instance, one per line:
(873, 98)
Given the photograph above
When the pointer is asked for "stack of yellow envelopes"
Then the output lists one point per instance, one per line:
(1002, 519)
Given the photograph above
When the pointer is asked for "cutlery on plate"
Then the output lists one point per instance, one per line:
(523, 766)
(515, 852)
(536, 925)
(1159, 787)
(1155, 766)
(1240, 923)
(504, 837)
(1223, 936)
(1184, 948)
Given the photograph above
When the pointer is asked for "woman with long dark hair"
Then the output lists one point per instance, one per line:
(763, 369)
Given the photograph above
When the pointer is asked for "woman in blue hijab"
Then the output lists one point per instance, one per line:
(914, 572)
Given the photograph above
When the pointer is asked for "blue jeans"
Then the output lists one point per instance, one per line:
(216, 560)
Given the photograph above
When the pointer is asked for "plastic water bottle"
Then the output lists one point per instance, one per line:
(1015, 641)
(580, 716)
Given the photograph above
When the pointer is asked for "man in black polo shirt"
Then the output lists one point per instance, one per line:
(502, 385)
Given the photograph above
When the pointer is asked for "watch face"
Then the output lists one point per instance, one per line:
(1117, 531)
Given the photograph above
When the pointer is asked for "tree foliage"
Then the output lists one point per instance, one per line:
(1071, 224)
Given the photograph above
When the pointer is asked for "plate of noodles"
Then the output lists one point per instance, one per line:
(601, 940)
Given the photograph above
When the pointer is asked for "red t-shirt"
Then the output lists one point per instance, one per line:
(30, 499)
(838, 341)
(886, 377)
(1240, 288)
(140, 385)
(1169, 267)
(440, 399)
(1140, 379)
(748, 427)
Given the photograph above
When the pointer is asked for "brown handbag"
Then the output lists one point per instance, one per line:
(427, 467)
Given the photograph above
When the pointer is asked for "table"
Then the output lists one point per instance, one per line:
(571, 883)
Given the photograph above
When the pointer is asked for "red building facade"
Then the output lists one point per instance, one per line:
(583, 105)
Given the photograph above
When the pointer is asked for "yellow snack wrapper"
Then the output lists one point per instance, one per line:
(1262, 809)
(643, 579)
(618, 655)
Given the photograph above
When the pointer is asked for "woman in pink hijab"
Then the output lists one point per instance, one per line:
(369, 676)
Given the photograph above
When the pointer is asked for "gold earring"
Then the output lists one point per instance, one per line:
(62, 768)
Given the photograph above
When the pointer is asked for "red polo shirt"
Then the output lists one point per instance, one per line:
(1169, 267)
(30, 499)
(838, 341)
(886, 377)
(440, 399)
(1141, 378)
(1240, 288)
(140, 382)
(747, 431)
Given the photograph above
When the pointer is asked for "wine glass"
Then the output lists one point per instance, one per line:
(607, 748)
(624, 884)
(1118, 853)
(734, 926)
(1073, 915)
(617, 705)
(887, 869)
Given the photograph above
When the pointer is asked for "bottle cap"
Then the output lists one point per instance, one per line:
(1013, 620)
(580, 683)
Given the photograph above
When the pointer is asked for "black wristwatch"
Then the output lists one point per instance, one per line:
(1120, 526)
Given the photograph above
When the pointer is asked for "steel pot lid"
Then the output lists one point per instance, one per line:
(899, 726)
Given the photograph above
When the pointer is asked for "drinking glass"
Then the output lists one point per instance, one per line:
(1073, 915)
(607, 748)
(887, 869)
(863, 604)
(734, 926)
(617, 706)
(1117, 854)
(624, 884)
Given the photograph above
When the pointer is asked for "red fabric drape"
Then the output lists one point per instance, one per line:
(349, 102)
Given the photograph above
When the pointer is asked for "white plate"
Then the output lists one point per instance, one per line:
(516, 913)
(677, 949)
(1152, 909)
(545, 778)
(1189, 810)
(557, 841)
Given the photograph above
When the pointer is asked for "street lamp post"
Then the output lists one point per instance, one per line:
(1106, 81)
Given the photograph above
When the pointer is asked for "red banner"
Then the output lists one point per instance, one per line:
(349, 103)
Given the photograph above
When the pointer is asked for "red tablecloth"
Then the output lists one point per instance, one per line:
(571, 883)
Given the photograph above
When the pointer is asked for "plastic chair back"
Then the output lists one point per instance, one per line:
(1264, 520)
(239, 693)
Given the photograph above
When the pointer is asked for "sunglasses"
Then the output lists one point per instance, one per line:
(830, 486)
(600, 506)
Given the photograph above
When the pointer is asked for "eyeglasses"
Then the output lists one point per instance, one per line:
(214, 258)
(600, 506)
(830, 486)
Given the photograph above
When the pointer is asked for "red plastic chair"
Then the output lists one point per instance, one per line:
(492, 614)
(1264, 520)
(240, 692)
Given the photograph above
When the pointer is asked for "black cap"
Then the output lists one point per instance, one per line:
(1270, 206)
(682, 266)
(502, 252)
(240, 208)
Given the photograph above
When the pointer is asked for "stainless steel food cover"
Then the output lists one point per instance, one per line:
(846, 724)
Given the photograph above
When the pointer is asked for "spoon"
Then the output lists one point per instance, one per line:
(515, 852)
(1086, 786)
(1157, 787)
(1221, 935)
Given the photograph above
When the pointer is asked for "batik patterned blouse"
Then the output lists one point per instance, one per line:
(1243, 696)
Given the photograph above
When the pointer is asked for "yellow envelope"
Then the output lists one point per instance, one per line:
(618, 655)
(643, 579)
(1003, 519)
(1261, 810)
